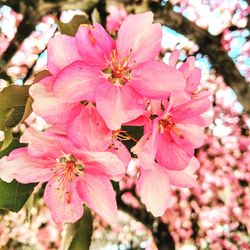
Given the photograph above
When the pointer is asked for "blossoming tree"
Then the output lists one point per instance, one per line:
(123, 119)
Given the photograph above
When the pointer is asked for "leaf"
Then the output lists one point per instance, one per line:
(14, 144)
(78, 235)
(29, 204)
(14, 195)
(71, 27)
(13, 101)
(28, 109)
(8, 137)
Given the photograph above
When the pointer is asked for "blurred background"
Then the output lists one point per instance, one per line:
(215, 214)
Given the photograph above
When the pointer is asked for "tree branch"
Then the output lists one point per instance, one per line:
(160, 231)
(208, 45)
(33, 11)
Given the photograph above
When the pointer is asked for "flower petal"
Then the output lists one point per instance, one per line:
(184, 178)
(190, 111)
(154, 189)
(139, 38)
(49, 107)
(97, 192)
(77, 82)
(119, 149)
(62, 51)
(94, 44)
(89, 130)
(104, 163)
(24, 167)
(171, 155)
(118, 104)
(146, 150)
(156, 80)
(64, 203)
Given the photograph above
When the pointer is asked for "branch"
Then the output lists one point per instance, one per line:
(161, 234)
(209, 45)
(33, 11)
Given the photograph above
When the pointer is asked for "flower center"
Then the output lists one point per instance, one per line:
(118, 71)
(167, 124)
(67, 168)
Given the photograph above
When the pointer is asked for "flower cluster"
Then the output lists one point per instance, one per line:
(94, 86)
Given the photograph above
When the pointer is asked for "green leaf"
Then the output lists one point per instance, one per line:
(14, 144)
(78, 235)
(8, 137)
(13, 101)
(13, 195)
(71, 27)
(27, 109)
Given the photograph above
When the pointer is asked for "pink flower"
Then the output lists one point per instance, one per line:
(74, 175)
(172, 133)
(115, 18)
(153, 185)
(116, 76)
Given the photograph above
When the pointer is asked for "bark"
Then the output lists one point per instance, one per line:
(160, 230)
(208, 45)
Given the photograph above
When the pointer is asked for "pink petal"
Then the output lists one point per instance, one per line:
(189, 135)
(104, 163)
(139, 38)
(174, 57)
(156, 80)
(187, 67)
(193, 80)
(170, 155)
(184, 178)
(146, 150)
(62, 51)
(190, 110)
(97, 192)
(24, 167)
(77, 82)
(154, 189)
(94, 44)
(118, 104)
(119, 149)
(48, 144)
(41, 144)
(49, 107)
(64, 203)
(89, 130)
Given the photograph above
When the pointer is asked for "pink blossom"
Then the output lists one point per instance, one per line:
(153, 185)
(75, 176)
(116, 76)
(115, 18)
(171, 137)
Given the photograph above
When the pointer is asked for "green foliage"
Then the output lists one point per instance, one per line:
(14, 195)
(71, 27)
(8, 137)
(13, 110)
(13, 145)
(78, 234)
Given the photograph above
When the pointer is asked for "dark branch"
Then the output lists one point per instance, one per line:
(208, 45)
(160, 231)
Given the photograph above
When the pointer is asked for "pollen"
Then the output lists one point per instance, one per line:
(117, 71)
(66, 169)
(167, 124)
